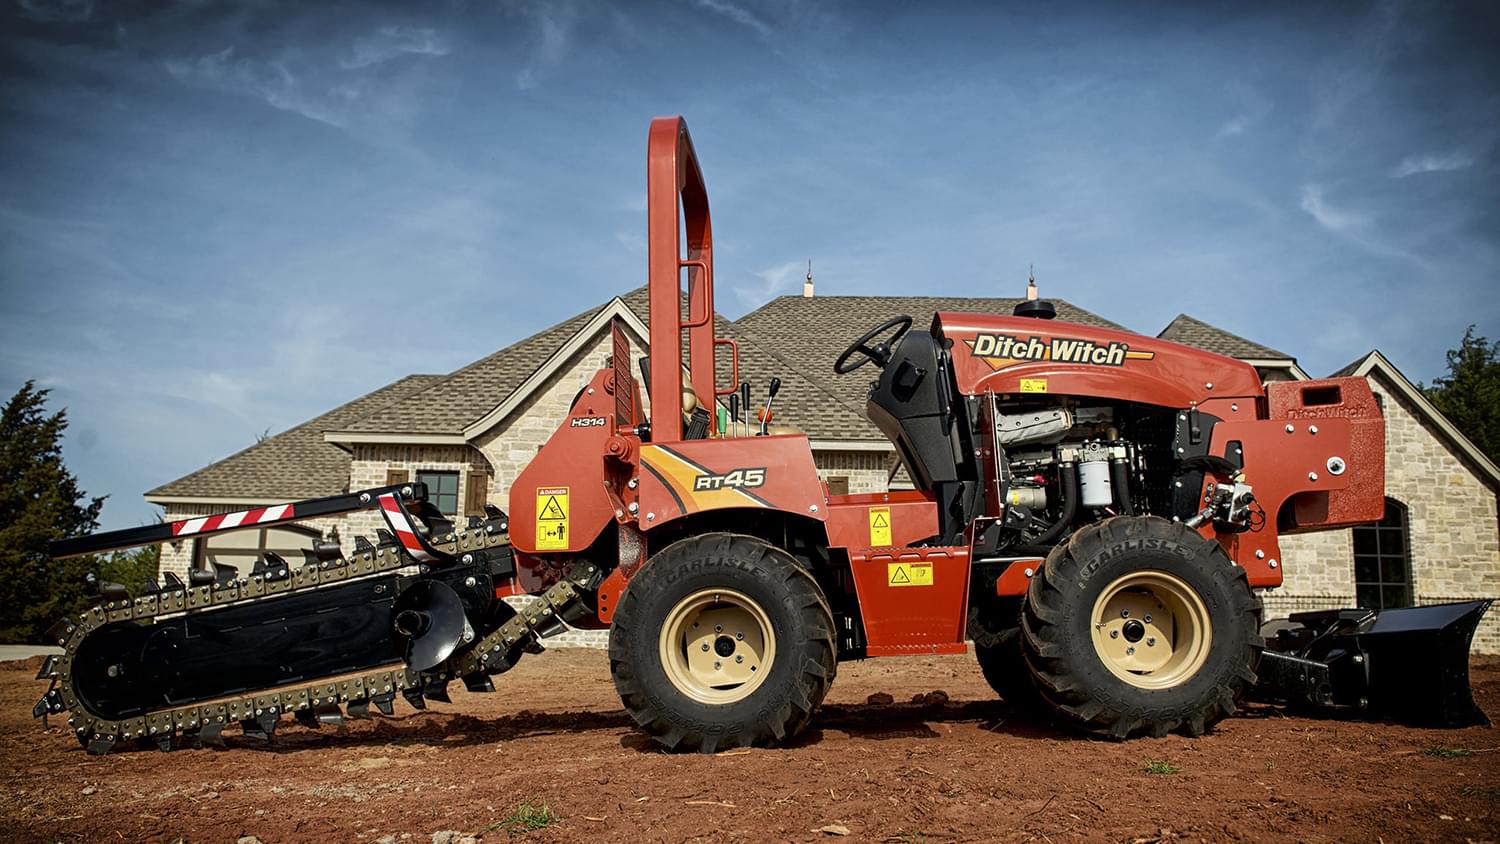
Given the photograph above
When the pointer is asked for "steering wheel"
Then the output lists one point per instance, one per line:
(880, 353)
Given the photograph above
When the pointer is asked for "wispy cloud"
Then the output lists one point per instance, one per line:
(271, 81)
(773, 282)
(555, 24)
(53, 11)
(1413, 165)
(390, 42)
(1333, 219)
(738, 14)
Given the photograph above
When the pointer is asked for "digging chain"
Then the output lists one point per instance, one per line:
(259, 711)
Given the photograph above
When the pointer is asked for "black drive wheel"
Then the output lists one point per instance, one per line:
(1140, 625)
(722, 641)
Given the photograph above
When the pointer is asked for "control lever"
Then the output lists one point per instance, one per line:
(734, 409)
(745, 398)
(765, 412)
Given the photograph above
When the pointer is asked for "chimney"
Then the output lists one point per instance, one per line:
(1031, 284)
(807, 286)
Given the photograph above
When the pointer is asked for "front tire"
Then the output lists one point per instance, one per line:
(722, 641)
(1140, 625)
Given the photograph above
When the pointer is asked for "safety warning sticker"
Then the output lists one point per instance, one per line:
(880, 526)
(1033, 385)
(552, 518)
(908, 574)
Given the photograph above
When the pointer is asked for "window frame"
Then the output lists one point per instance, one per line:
(434, 493)
(1384, 543)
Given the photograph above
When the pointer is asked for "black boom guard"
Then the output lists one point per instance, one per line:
(1409, 664)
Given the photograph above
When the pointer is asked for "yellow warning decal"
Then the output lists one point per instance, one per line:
(880, 526)
(908, 574)
(552, 518)
(1033, 385)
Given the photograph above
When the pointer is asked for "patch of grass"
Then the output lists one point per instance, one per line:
(1160, 767)
(1447, 752)
(527, 817)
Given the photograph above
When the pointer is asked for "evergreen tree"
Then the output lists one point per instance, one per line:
(1469, 395)
(39, 501)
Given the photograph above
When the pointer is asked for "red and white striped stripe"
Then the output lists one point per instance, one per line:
(395, 516)
(226, 521)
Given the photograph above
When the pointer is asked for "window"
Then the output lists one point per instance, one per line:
(838, 485)
(442, 490)
(1382, 560)
(242, 547)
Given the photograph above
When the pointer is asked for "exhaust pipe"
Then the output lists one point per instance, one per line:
(1409, 664)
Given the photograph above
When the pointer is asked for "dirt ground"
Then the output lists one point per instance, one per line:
(965, 770)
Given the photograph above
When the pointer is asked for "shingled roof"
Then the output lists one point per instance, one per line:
(810, 333)
(451, 403)
(1210, 338)
(296, 463)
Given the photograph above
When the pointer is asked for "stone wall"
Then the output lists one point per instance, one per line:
(1455, 536)
(177, 557)
(866, 470)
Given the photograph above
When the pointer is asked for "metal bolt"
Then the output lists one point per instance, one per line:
(1130, 651)
(1030, 573)
(1235, 407)
(717, 665)
(633, 507)
(1273, 564)
(1260, 555)
(813, 508)
(1151, 642)
(650, 517)
(469, 581)
(1114, 634)
(406, 492)
(468, 559)
(1359, 659)
(1290, 429)
(739, 658)
(1208, 386)
(739, 636)
(1312, 476)
(705, 646)
(364, 498)
(718, 628)
(1148, 618)
(1124, 613)
(1177, 484)
(1312, 429)
(634, 482)
(591, 391)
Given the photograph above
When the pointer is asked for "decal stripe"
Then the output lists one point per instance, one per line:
(671, 490)
(685, 472)
(229, 521)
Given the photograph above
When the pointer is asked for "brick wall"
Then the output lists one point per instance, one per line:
(177, 557)
(369, 466)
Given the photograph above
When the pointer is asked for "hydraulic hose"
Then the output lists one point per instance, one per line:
(1067, 473)
(1119, 478)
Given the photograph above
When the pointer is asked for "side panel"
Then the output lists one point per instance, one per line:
(857, 522)
(694, 476)
(913, 600)
(559, 504)
(1024, 355)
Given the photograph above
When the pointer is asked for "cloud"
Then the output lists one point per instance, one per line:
(773, 282)
(1413, 165)
(1234, 126)
(555, 24)
(270, 81)
(57, 11)
(738, 14)
(1328, 217)
(393, 41)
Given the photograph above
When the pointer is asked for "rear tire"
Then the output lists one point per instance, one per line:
(1140, 625)
(769, 637)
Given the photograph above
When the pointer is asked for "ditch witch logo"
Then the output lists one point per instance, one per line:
(1003, 350)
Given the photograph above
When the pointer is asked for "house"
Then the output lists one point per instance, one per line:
(469, 433)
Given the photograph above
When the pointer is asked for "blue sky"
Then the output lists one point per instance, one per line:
(217, 219)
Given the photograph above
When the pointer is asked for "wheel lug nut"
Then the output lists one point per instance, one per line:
(1130, 651)
(718, 628)
(1148, 618)
(1151, 642)
(738, 658)
(739, 635)
(716, 666)
(1114, 634)
(705, 646)
(1124, 613)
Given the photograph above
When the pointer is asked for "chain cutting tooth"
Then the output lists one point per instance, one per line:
(99, 745)
(437, 690)
(48, 666)
(384, 704)
(211, 734)
(330, 714)
(357, 710)
(308, 718)
(173, 582)
(414, 697)
(478, 683)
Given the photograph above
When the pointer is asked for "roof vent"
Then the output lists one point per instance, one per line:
(1037, 308)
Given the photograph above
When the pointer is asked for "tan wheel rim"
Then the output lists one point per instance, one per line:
(717, 645)
(1151, 629)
